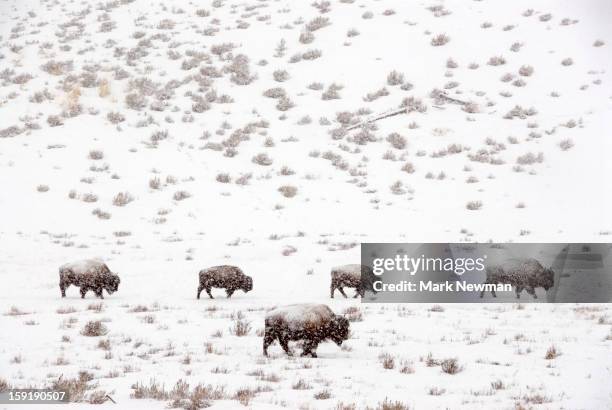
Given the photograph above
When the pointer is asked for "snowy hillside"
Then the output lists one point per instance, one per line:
(165, 137)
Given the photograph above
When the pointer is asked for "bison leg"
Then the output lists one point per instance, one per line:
(229, 292)
(99, 293)
(200, 289)
(284, 342)
(532, 292)
(83, 292)
(335, 284)
(518, 290)
(342, 291)
(313, 350)
(309, 348)
(209, 294)
(63, 290)
(268, 340)
(487, 282)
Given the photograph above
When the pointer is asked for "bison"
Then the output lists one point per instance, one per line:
(88, 274)
(526, 274)
(355, 276)
(311, 323)
(231, 278)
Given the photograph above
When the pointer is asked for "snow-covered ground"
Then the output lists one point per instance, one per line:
(171, 136)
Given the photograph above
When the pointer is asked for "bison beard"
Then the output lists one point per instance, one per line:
(316, 324)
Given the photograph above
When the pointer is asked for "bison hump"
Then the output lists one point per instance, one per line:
(299, 316)
(85, 266)
(353, 270)
(528, 265)
(222, 270)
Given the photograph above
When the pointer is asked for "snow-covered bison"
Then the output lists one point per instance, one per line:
(526, 274)
(355, 276)
(311, 323)
(88, 274)
(231, 278)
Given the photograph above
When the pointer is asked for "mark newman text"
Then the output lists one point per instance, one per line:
(429, 286)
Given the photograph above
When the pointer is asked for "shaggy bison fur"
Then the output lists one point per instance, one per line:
(231, 278)
(355, 276)
(88, 274)
(311, 323)
(526, 274)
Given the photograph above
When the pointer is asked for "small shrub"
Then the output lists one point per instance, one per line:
(566, 144)
(552, 353)
(306, 37)
(284, 104)
(262, 159)
(526, 70)
(474, 205)
(301, 384)
(387, 361)
(392, 405)
(323, 395)
(240, 328)
(223, 178)
(408, 167)
(115, 117)
(395, 78)
(4, 385)
(181, 195)
(122, 199)
(288, 191)
(497, 385)
(439, 40)
(436, 391)
(496, 61)
(397, 141)
(280, 75)
(530, 158)
(312, 54)
(317, 23)
(101, 214)
(75, 388)
(332, 92)
(244, 179)
(96, 155)
(451, 366)
(104, 344)
(94, 329)
(244, 396)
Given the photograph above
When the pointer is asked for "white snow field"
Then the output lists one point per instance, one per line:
(166, 137)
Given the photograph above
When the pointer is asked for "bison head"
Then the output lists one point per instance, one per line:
(547, 279)
(339, 331)
(247, 284)
(112, 284)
